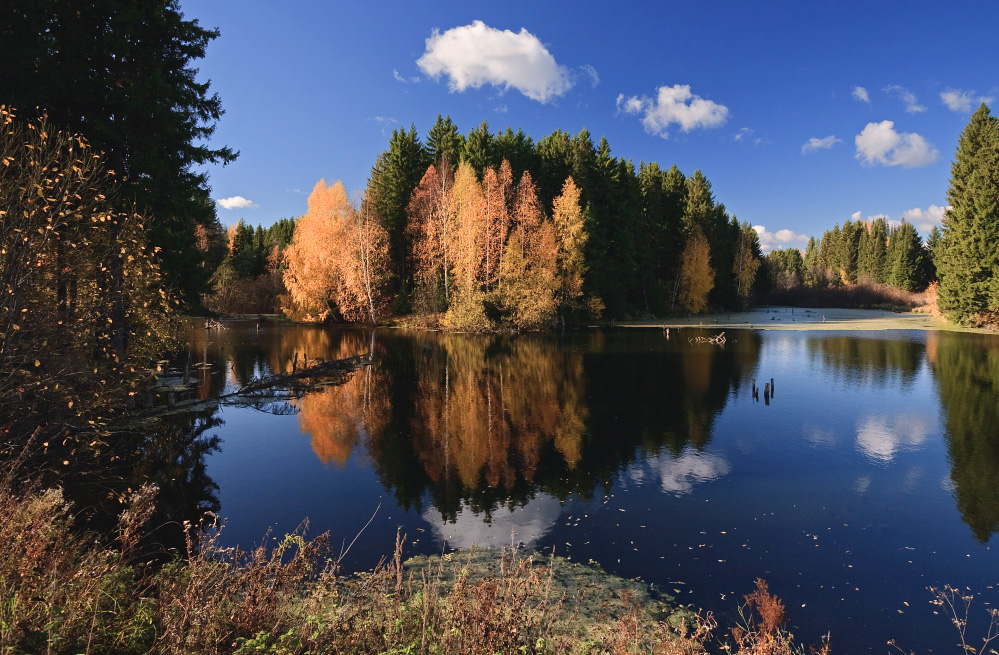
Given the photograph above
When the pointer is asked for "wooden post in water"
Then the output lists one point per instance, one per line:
(294, 364)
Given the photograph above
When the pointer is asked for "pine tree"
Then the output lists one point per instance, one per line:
(812, 272)
(518, 149)
(904, 261)
(746, 262)
(480, 150)
(123, 77)
(879, 252)
(968, 252)
(395, 175)
(444, 142)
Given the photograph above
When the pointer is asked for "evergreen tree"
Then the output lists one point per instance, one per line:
(122, 76)
(746, 262)
(518, 149)
(906, 268)
(967, 257)
(480, 150)
(849, 246)
(395, 174)
(674, 206)
(879, 253)
(555, 164)
(812, 273)
(444, 142)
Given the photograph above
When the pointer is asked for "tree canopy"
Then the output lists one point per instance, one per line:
(967, 252)
(122, 75)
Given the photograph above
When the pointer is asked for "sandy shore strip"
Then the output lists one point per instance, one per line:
(804, 318)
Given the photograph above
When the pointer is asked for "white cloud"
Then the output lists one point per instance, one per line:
(744, 133)
(474, 55)
(962, 101)
(816, 143)
(925, 219)
(860, 93)
(674, 105)
(404, 80)
(908, 97)
(778, 239)
(236, 202)
(592, 72)
(879, 143)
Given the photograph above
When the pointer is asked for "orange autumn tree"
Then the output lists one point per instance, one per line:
(337, 263)
(479, 244)
(497, 191)
(366, 265)
(428, 215)
(465, 243)
(527, 290)
(572, 236)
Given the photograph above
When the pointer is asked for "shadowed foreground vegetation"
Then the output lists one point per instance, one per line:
(64, 590)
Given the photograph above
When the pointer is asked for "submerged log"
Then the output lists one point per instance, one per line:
(319, 374)
(718, 339)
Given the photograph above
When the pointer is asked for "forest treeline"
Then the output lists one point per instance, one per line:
(433, 230)
(864, 252)
(960, 259)
(485, 230)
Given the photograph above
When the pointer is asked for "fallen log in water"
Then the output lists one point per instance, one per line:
(318, 374)
(718, 339)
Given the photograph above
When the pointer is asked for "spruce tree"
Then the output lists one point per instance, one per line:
(395, 174)
(811, 263)
(444, 142)
(967, 255)
(905, 258)
(480, 150)
(879, 245)
(123, 76)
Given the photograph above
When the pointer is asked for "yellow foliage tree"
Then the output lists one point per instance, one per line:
(338, 260)
(571, 232)
(697, 278)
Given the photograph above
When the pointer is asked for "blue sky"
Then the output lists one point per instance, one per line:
(801, 114)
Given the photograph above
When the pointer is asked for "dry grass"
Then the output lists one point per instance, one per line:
(67, 592)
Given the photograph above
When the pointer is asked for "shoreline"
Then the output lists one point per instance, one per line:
(805, 318)
(757, 318)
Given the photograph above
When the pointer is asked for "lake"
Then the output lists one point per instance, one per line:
(870, 473)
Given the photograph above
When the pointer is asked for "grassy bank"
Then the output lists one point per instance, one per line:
(63, 590)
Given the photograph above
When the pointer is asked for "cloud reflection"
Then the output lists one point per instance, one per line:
(880, 438)
(523, 525)
(678, 476)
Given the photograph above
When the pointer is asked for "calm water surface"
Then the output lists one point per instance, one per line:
(871, 473)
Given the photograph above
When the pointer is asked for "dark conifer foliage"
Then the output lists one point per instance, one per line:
(122, 75)
(395, 174)
(967, 251)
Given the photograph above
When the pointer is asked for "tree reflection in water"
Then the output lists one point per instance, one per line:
(477, 422)
(966, 370)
